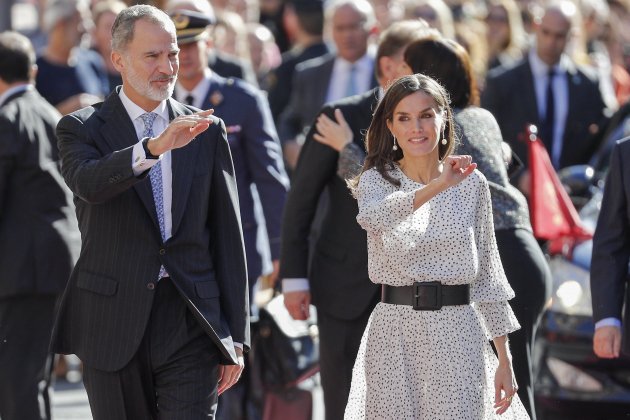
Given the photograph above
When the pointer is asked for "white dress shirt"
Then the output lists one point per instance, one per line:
(141, 163)
(340, 77)
(560, 87)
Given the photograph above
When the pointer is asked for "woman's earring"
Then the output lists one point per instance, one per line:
(395, 146)
(444, 141)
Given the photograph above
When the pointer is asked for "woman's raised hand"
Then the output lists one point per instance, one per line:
(336, 134)
(455, 169)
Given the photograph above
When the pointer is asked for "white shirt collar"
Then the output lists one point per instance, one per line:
(12, 91)
(541, 69)
(363, 63)
(135, 111)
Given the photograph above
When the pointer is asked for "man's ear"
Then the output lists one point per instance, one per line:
(117, 60)
(33, 73)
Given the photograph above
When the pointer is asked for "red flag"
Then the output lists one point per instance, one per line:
(553, 215)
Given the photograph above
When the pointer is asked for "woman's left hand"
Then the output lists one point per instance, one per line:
(504, 387)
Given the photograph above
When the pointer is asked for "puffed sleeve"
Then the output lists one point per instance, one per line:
(382, 206)
(490, 291)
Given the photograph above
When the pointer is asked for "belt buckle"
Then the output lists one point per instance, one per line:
(427, 296)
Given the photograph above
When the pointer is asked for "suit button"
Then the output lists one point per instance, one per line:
(151, 286)
(162, 251)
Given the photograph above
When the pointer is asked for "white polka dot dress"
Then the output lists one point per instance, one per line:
(431, 364)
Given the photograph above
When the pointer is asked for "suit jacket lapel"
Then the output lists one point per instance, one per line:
(182, 164)
(530, 104)
(119, 133)
(319, 86)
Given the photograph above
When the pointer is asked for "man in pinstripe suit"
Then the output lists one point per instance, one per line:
(157, 305)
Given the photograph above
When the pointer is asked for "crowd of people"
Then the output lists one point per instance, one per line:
(365, 156)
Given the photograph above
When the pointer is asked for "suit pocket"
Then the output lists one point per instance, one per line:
(97, 284)
(207, 289)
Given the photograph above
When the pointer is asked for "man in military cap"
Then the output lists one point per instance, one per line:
(255, 150)
(304, 22)
(221, 63)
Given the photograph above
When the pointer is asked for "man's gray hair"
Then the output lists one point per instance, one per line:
(364, 7)
(123, 28)
(58, 10)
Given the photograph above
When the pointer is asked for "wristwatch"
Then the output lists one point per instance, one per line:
(149, 155)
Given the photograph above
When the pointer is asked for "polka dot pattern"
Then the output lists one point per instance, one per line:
(431, 364)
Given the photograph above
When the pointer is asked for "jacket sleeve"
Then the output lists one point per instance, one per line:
(226, 244)
(316, 166)
(611, 243)
(92, 176)
(8, 155)
(264, 159)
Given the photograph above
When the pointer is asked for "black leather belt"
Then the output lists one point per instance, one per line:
(426, 296)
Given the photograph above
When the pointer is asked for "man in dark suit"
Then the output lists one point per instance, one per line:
(39, 238)
(304, 22)
(157, 305)
(328, 78)
(548, 89)
(255, 151)
(338, 278)
(611, 255)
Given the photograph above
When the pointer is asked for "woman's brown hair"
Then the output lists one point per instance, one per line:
(447, 62)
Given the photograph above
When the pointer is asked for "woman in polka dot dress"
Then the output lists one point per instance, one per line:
(425, 353)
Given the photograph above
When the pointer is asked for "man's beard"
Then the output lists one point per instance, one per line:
(146, 89)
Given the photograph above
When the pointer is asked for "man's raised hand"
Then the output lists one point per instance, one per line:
(181, 131)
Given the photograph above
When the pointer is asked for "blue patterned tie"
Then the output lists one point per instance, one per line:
(155, 175)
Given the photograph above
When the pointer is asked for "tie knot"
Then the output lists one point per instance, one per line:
(148, 119)
(551, 72)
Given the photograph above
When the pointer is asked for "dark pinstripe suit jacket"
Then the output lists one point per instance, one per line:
(106, 305)
(257, 160)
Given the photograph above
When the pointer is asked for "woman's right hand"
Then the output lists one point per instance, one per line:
(455, 168)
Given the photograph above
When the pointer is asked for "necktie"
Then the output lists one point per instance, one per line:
(548, 123)
(352, 81)
(155, 176)
(189, 100)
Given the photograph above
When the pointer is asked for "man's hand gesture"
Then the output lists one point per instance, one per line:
(180, 132)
